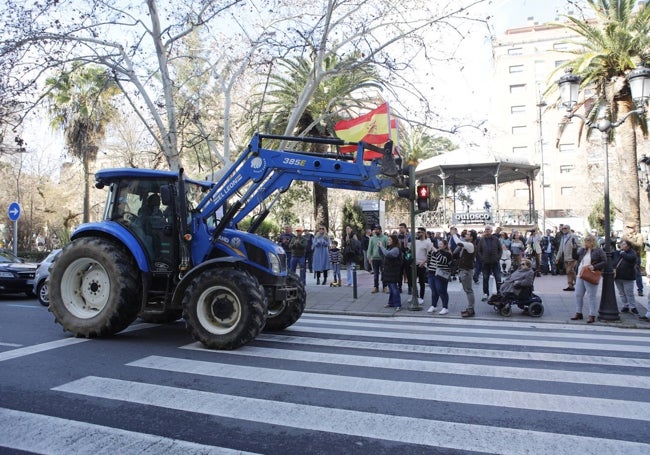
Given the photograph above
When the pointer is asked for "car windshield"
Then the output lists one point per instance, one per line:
(7, 257)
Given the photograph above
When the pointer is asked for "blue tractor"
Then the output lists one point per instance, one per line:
(168, 246)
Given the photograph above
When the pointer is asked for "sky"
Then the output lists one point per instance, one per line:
(462, 92)
(515, 13)
(463, 95)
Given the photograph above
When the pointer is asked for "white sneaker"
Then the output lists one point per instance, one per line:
(432, 309)
(444, 311)
(420, 301)
(485, 297)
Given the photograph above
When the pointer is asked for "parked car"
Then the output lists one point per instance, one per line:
(42, 275)
(16, 275)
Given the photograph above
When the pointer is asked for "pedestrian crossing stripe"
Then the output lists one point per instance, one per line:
(601, 407)
(426, 366)
(638, 336)
(408, 332)
(358, 344)
(412, 430)
(72, 436)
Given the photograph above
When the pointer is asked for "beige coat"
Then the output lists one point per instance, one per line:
(568, 246)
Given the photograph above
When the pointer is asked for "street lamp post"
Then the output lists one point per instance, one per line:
(569, 85)
(540, 106)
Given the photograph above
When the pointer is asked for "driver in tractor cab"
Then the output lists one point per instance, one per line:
(152, 206)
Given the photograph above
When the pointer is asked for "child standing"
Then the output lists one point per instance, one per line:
(335, 260)
(506, 260)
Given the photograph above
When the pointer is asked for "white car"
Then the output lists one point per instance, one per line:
(42, 274)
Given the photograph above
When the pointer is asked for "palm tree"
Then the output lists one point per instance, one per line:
(612, 44)
(331, 97)
(80, 105)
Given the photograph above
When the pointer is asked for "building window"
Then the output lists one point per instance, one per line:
(517, 89)
(519, 150)
(561, 46)
(518, 130)
(567, 148)
(567, 168)
(559, 63)
(567, 190)
(515, 51)
(520, 109)
(516, 69)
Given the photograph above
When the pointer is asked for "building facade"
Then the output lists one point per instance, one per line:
(526, 120)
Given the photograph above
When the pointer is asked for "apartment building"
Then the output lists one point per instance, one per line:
(525, 122)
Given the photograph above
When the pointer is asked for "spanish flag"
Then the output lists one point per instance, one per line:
(372, 128)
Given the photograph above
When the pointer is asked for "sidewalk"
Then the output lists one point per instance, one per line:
(559, 305)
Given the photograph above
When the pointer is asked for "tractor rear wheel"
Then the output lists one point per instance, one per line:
(94, 288)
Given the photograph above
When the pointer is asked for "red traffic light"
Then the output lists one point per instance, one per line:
(423, 191)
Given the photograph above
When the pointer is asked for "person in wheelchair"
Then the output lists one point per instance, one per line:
(518, 285)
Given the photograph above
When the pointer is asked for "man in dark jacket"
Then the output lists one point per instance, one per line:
(547, 243)
(489, 253)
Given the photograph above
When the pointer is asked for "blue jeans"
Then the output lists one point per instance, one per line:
(438, 287)
(348, 267)
(394, 297)
(295, 261)
(376, 268)
(336, 272)
(548, 263)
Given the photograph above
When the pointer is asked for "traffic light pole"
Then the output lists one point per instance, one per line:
(413, 304)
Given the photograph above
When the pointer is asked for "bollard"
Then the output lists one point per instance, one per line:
(354, 280)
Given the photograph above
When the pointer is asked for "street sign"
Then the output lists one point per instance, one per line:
(14, 211)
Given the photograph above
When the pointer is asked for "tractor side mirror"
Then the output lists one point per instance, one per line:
(166, 195)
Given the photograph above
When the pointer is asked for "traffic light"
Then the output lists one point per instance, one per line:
(423, 194)
(407, 193)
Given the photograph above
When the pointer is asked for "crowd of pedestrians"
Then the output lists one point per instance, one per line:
(469, 256)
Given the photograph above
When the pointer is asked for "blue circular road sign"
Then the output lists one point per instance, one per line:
(14, 211)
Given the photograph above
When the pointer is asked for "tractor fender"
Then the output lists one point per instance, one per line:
(223, 262)
(117, 233)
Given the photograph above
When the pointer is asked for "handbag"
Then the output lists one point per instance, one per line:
(574, 251)
(617, 264)
(590, 276)
(443, 273)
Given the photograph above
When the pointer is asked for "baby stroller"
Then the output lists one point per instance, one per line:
(528, 301)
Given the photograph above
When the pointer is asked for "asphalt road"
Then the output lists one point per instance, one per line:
(331, 384)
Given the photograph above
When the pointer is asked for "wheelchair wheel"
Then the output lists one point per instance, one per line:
(505, 311)
(535, 309)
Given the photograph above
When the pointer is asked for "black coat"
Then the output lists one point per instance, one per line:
(489, 250)
(598, 257)
(625, 264)
(392, 272)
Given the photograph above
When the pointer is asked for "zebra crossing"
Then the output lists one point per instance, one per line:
(398, 384)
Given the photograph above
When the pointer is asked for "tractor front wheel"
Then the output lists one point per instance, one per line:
(224, 308)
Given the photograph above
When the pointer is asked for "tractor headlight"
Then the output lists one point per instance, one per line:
(274, 263)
